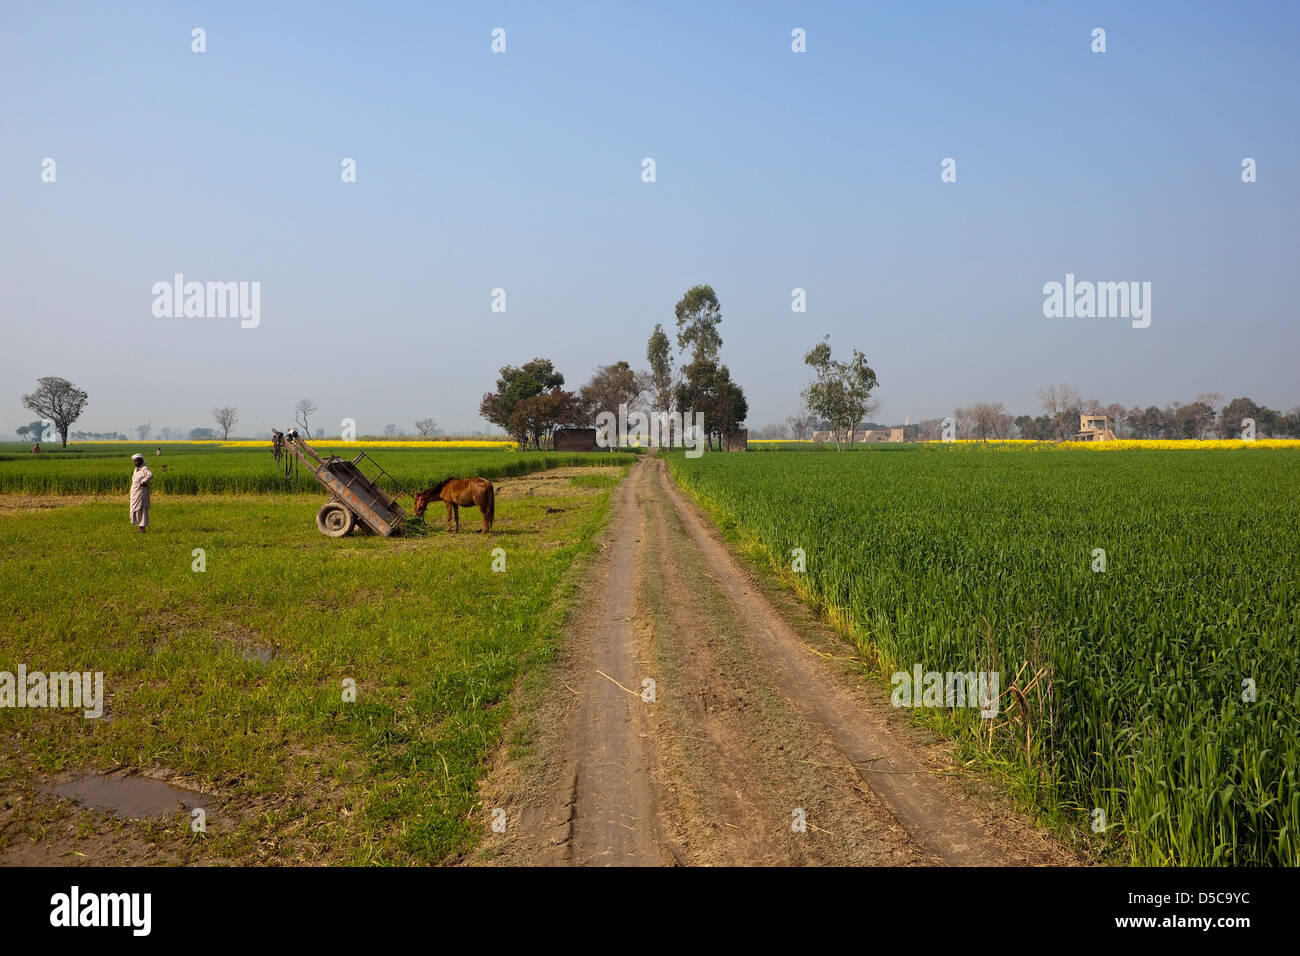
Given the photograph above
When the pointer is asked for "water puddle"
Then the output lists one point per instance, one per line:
(128, 796)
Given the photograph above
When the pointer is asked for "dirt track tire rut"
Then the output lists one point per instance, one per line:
(750, 728)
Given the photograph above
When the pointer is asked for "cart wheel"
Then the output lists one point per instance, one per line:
(335, 520)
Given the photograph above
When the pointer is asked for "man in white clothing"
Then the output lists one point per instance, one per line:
(140, 493)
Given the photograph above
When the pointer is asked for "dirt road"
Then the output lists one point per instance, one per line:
(699, 718)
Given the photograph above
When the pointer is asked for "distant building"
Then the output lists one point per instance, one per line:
(1094, 428)
(735, 441)
(868, 436)
(575, 439)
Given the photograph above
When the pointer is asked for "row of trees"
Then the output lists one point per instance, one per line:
(95, 436)
(306, 408)
(61, 403)
(1060, 408)
(704, 385)
(33, 431)
(167, 433)
(36, 432)
(530, 400)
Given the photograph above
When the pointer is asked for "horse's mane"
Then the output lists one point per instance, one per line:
(439, 486)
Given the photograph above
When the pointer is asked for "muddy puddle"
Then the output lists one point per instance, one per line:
(129, 797)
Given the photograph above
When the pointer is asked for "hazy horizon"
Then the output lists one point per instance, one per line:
(522, 171)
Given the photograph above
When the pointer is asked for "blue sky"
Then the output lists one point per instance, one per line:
(522, 171)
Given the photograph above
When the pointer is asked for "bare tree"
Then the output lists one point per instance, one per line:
(1061, 403)
(143, 431)
(302, 411)
(930, 429)
(801, 422)
(989, 418)
(426, 426)
(963, 423)
(226, 418)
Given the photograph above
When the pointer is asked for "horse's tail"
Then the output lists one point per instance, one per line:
(490, 505)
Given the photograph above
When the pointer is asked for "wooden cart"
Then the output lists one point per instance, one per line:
(353, 495)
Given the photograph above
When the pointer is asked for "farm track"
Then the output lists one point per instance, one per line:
(753, 723)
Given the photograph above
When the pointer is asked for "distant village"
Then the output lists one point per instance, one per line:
(866, 435)
(1091, 428)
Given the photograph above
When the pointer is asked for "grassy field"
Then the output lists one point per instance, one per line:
(969, 558)
(230, 680)
(210, 468)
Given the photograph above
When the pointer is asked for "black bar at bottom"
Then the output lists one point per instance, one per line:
(985, 909)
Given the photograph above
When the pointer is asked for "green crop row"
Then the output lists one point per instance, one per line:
(203, 469)
(1168, 693)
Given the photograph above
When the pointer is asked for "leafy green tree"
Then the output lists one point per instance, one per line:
(1232, 414)
(1270, 423)
(841, 391)
(513, 386)
(698, 317)
(537, 416)
(659, 354)
(707, 387)
(730, 407)
(1147, 423)
(1193, 420)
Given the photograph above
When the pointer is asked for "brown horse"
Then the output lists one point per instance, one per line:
(458, 493)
